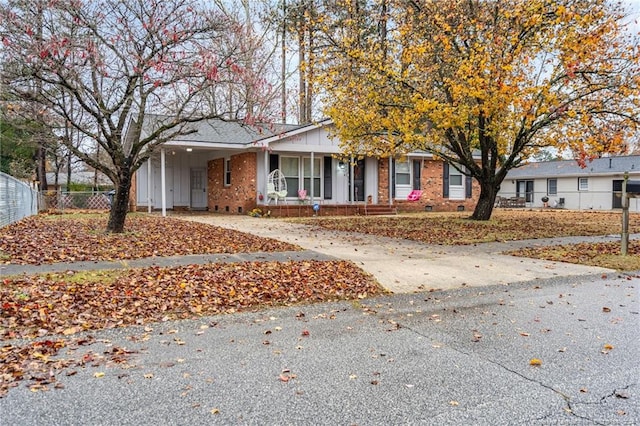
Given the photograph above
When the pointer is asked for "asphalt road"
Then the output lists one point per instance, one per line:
(444, 357)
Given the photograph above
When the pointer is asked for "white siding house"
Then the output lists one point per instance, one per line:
(567, 185)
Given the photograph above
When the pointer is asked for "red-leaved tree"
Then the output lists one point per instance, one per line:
(102, 66)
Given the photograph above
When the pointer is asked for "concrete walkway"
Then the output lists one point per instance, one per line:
(404, 266)
(401, 266)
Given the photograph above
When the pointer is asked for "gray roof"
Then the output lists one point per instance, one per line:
(599, 166)
(82, 177)
(215, 131)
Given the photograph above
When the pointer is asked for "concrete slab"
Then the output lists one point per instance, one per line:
(404, 266)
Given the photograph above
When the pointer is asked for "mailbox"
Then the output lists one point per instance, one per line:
(633, 187)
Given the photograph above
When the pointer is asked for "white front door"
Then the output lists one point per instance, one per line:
(198, 189)
(157, 188)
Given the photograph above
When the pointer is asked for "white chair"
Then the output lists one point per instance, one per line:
(276, 187)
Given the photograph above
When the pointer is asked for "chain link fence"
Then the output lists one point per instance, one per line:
(17, 200)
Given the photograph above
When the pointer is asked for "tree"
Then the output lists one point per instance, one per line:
(103, 66)
(481, 84)
(26, 143)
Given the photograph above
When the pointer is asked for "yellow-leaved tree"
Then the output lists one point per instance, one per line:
(481, 84)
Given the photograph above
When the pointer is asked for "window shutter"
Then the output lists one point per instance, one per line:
(445, 180)
(468, 182)
(274, 160)
(328, 185)
(393, 178)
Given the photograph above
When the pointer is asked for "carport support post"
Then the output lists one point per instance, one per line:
(163, 183)
(149, 188)
(624, 249)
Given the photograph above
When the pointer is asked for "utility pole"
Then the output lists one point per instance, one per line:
(284, 62)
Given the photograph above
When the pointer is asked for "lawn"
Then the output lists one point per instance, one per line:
(507, 225)
(457, 229)
(42, 315)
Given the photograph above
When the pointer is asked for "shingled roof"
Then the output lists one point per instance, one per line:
(570, 168)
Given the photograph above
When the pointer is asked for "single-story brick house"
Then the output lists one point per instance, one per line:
(224, 167)
(598, 186)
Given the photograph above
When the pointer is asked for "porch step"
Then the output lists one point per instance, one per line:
(379, 209)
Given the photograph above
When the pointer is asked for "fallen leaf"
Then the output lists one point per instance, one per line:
(535, 362)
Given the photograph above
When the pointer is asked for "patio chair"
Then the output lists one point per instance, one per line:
(276, 186)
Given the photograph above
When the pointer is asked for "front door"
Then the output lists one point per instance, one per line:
(358, 181)
(525, 189)
(198, 189)
(157, 192)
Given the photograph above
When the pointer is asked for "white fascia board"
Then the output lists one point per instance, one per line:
(572, 175)
(209, 145)
(318, 149)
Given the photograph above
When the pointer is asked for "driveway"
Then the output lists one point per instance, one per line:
(405, 266)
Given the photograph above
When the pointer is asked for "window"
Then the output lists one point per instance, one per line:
(552, 186)
(403, 175)
(227, 172)
(456, 184)
(306, 165)
(583, 184)
(290, 168)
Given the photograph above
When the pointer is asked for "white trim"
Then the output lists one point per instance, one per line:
(580, 186)
(163, 182)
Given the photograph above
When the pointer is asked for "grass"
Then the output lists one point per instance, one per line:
(458, 229)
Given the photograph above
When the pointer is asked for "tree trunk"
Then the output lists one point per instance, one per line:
(120, 204)
(41, 167)
(484, 208)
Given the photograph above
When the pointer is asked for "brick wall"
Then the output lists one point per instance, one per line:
(383, 181)
(431, 184)
(240, 196)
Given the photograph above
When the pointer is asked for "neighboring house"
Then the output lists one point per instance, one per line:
(86, 178)
(223, 167)
(598, 186)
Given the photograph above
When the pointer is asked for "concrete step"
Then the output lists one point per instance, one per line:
(379, 209)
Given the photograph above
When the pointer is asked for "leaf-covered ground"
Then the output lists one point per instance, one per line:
(457, 229)
(603, 254)
(67, 303)
(57, 306)
(48, 311)
(71, 238)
